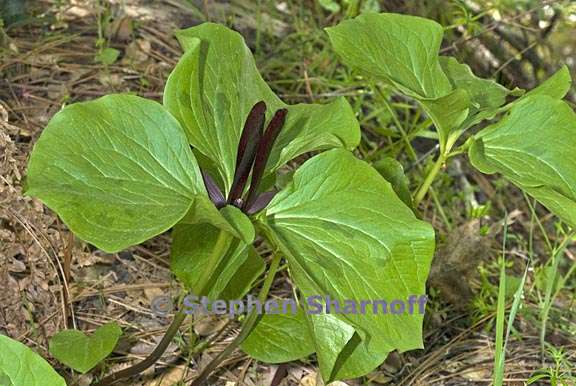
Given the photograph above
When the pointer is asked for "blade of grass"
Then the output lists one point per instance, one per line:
(518, 294)
(499, 354)
(553, 288)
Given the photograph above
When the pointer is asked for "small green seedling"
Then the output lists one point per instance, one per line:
(81, 352)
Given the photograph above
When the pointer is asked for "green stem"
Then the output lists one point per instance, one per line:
(412, 154)
(218, 253)
(421, 193)
(440, 209)
(249, 324)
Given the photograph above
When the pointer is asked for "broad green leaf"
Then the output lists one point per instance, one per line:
(447, 112)
(22, 366)
(532, 147)
(557, 86)
(117, 170)
(402, 51)
(312, 127)
(214, 86)
(244, 277)
(346, 234)
(486, 96)
(4, 380)
(484, 93)
(192, 247)
(341, 352)
(280, 338)
(393, 172)
(177, 91)
(81, 352)
(194, 239)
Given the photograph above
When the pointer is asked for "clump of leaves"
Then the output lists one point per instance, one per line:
(528, 146)
(122, 169)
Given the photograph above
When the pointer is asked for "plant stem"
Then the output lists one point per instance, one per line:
(218, 253)
(150, 359)
(412, 154)
(249, 324)
(421, 193)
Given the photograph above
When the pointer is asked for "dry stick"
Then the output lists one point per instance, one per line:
(218, 253)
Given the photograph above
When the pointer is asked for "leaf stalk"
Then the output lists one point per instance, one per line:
(250, 323)
(421, 193)
(221, 249)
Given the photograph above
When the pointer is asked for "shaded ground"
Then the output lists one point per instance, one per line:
(51, 281)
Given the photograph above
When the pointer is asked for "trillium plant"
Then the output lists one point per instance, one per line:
(206, 164)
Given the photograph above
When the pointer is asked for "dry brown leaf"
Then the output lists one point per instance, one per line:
(169, 378)
(209, 324)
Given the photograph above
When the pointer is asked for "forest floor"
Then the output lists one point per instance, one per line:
(49, 280)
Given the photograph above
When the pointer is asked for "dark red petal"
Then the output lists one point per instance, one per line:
(263, 153)
(261, 202)
(249, 140)
(213, 190)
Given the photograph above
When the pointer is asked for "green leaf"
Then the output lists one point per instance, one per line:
(358, 356)
(229, 219)
(330, 5)
(193, 241)
(4, 380)
(557, 86)
(81, 352)
(118, 170)
(214, 86)
(484, 93)
(192, 246)
(447, 112)
(244, 277)
(346, 234)
(531, 147)
(402, 51)
(108, 56)
(23, 367)
(393, 172)
(280, 338)
(486, 96)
